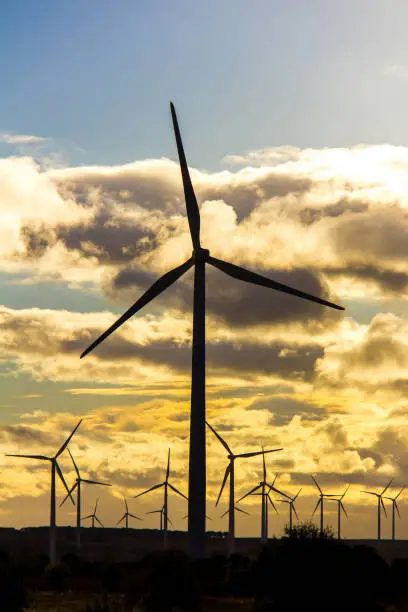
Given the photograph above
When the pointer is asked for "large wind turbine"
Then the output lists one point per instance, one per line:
(55, 469)
(200, 257)
(77, 486)
(263, 489)
(93, 516)
(230, 473)
(321, 504)
(292, 509)
(380, 503)
(394, 508)
(340, 509)
(164, 516)
(125, 517)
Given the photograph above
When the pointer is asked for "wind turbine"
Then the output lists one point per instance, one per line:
(55, 469)
(230, 473)
(321, 504)
(93, 516)
(394, 508)
(166, 485)
(161, 512)
(292, 509)
(380, 503)
(77, 486)
(264, 489)
(199, 258)
(126, 516)
(340, 509)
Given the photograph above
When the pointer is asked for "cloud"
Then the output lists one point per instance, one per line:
(17, 139)
(397, 69)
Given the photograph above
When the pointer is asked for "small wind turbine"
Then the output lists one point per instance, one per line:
(125, 517)
(264, 489)
(321, 504)
(55, 469)
(292, 509)
(161, 512)
(230, 473)
(77, 486)
(166, 486)
(394, 508)
(380, 503)
(93, 516)
(340, 509)
(199, 258)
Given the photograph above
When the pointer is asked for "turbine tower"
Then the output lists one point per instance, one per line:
(340, 509)
(125, 517)
(380, 503)
(230, 473)
(263, 489)
(77, 486)
(55, 469)
(292, 509)
(167, 486)
(321, 504)
(199, 258)
(394, 508)
(93, 516)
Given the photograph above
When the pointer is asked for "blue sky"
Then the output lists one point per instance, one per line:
(243, 75)
(79, 245)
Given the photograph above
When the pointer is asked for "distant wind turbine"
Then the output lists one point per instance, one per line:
(292, 509)
(321, 504)
(125, 517)
(230, 473)
(55, 469)
(380, 503)
(340, 509)
(166, 485)
(263, 489)
(161, 512)
(77, 486)
(94, 516)
(199, 258)
(394, 508)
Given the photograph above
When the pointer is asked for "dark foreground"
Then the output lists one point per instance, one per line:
(292, 574)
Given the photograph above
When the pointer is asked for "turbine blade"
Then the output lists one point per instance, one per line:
(69, 494)
(249, 493)
(64, 446)
(387, 486)
(126, 504)
(256, 279)
(61, 476)
(158, 287)
(296, 496)
(272, 504)
(177, 491)
(226, 512)
(123, 517)
(96, 519)
(272, 488)
(398, 494)
(317, 485)
(383, 506)
(296, 514)
(371, 493)
(75, 465)
(41, 457)
(223, 442)
(264, 466)
(168, 467)
(95, 482)
(96, 506)
(86, 517)
(135, 517)
(317, 505)
(240, 510)
(343, 508)
(193, 213)
(227, 472)
(151, 489)
(247, 455)
(347, 488)
(396, 507)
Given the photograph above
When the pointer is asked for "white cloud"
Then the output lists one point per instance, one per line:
(20, 139)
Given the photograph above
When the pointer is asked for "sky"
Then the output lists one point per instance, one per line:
(293, 121)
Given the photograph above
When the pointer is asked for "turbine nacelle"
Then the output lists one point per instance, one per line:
(200, 255)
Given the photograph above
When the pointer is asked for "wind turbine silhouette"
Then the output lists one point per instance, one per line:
(394, 508)
(55, 469)
(340, 509)
(264, 489)
(166, 486)
(125, 517)
(77, 486)
(199, 258)
(230, 473)
(161, 512)
(321, 504)
(292, 509)
(93, 516)
(380, 503)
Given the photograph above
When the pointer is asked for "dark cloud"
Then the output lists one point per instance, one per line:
(285, 408)
(390, 281)
(26, 437)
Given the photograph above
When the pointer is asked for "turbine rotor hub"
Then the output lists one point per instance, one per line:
(201, 255)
